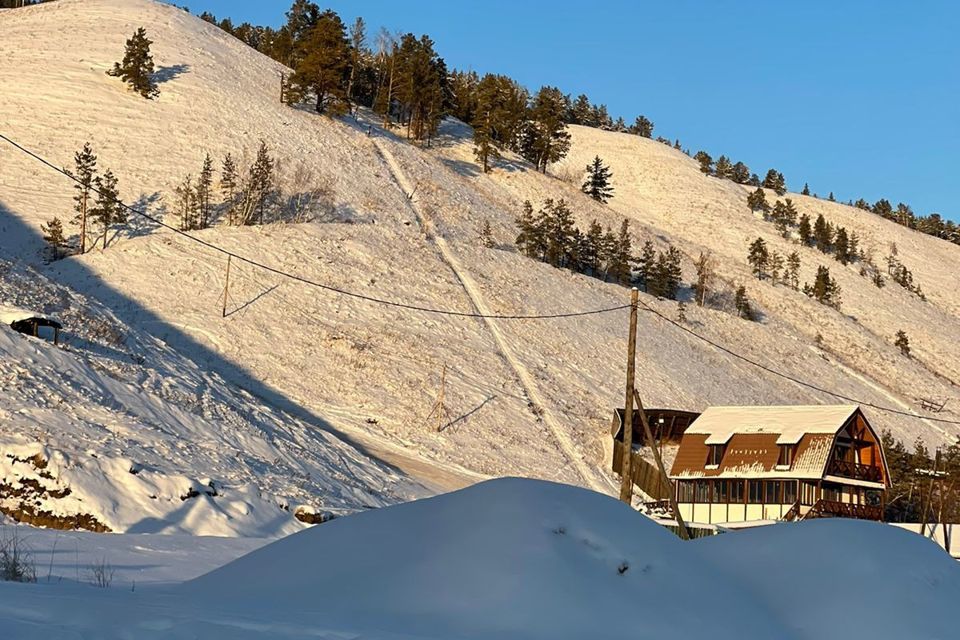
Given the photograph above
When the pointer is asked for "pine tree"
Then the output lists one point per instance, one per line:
(137, 66)
(742, 304)
(204, 192)
(741, 173)
(107, 210)
(85, 172)
(186, 204)
(485, 121)
(878, 280)
(622, 255)
(825, 289)
(723, 168)
(560, 228)
(806, 189)
(841, 246)
(669, 273)
(793, 270)
(228, 187)
(706, 162)
(774, 180)
(526, 238)
(590, 251)
(581, 111)
(642, 127)
(597, 184)
(53, 234)
(681, 312)
(759, 258)
(545, 139)
(831, 198)
(645, 266)
(776, 267)
(262, 180)
(486, 235)
(822, 234)
(323, 68)
(358, 43)
(757, 201)
(903, 342)
(805, 231)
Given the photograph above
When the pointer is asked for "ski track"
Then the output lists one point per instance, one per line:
(563, 440)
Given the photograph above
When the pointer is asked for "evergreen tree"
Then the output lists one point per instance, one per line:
(754, 180)
(204, 192)
(53, 234)
(805, 231)
(825, 289)
(774, 180)
(669, 273)
(741, 173)
(527, 240)
(681, 312)
(559, 232)
(759, 258)
(590, 251)
(228, 187)
(878, 280)
(262, 180)
(322, 70)
(642, 127)
(486, 235)
(776, 267)
(137, 66)
(723, 168)
(420, 86)
(706, 162)
(85, 171)
(545, 139)
(841, 246)
(622, 255)
(581, 112)
(186, 204)
(742, 304)
(485, 121)
(903, 342)
(757, 201)
(597, 184)
(884, 209)
(831, 198)
(822, 234)
(358, 44)
(646, 264)
(793, 271)
(107, 210)
(806, 189)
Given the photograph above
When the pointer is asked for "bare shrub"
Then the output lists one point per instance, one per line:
(16, 559)
(101, 574)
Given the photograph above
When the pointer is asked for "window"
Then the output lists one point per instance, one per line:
(715, 455)
(701, 491)
(787, 452)
(736, 491)
(789, 492)
(721, 491)
(808, 493)
(684, 491)
(756, 491)
(771, 492)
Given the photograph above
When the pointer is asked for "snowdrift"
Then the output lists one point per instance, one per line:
(523, 559)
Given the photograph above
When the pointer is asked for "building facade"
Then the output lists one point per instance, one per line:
(745, 464)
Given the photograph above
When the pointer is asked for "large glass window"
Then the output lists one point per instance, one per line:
(736, 491)
(771, 492)
(721, 491)
(684, 491)
(789, 492)
(755, 491)
(702, 491)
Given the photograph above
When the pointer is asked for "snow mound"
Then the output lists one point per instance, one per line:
(853, 578)
(523, 559)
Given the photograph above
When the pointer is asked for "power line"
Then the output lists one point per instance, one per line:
(786, 376)
(314, 283)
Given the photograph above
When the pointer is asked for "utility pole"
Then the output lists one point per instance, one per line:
(684, 533)
(226, 289)
(626, 470)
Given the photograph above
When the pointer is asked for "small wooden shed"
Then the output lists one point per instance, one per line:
(31, 323)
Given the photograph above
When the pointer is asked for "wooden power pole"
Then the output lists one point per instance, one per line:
(626, 470)
(226, 289)
(648, 434)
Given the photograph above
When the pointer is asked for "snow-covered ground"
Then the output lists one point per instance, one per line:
(524, 559)
(334, 387)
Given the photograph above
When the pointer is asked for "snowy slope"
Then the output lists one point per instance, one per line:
(516, 559)
(523, 398)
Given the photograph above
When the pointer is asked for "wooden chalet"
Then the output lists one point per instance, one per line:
(31, 323)
(667, 427)
(743, 464)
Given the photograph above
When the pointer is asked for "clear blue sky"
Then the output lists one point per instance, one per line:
(854, 96)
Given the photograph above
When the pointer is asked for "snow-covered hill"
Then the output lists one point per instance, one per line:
(528, 398)
(521, 559)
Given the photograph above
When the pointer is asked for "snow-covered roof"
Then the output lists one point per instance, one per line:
(790, 423)
(9, 315)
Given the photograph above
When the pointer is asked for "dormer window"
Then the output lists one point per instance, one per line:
(787, 453)
(715, 454)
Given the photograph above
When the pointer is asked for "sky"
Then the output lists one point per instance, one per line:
(857, 97)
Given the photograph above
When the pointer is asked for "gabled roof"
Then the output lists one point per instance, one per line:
(789, 423)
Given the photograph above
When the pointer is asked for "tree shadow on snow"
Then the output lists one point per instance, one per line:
(170, 73)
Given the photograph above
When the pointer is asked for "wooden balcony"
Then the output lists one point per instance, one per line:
(831, 509)
(854, 471)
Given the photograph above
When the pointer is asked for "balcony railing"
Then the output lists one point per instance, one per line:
(855, 471)
(831, 509)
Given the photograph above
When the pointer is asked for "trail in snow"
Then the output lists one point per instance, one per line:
(562, 437)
